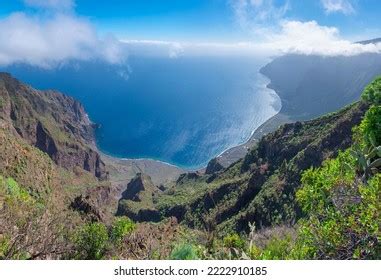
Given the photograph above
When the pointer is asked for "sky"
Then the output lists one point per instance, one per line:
(44, 32)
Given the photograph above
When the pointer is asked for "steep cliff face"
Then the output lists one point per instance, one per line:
(318, 85)
(261, 187)
(52, 122)
(137, 201)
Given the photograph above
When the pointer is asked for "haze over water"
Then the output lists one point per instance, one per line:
(182, 111)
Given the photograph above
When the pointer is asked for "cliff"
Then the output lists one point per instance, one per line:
(137, 201)
(52, 122)
(311, 86)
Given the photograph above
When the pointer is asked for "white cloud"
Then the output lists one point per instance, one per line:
(51, 40)
(51, 4)
(338, 6)
(293, 37)
(312, 38)
(275, 34)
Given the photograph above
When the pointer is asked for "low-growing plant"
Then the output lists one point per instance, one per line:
(234, 241)
(120, 228)
(184, 252)
(91, 241)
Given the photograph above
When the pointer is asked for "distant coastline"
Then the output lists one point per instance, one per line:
(226, 157)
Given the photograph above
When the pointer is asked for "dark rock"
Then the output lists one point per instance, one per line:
(188, 176)
(214, 166)
(137, 200)
(94, 203)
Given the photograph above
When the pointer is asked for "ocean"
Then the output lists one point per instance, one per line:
(182, 111)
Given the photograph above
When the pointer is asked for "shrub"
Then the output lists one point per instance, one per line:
(372, 92)
(234, 241)
(14, 190)
(184, 252)
(120, 228)
(371, 126)
(343, 213)
(91, 241)
(275, 249)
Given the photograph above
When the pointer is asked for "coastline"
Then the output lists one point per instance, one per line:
(236, 153)
(122, 170)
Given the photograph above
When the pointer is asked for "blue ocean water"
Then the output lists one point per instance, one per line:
(182, 111)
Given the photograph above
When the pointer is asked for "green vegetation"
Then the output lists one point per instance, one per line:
(184, 252)
(372, 92)
(91, 241)
(307, 191)
(24, 221)
(120, 228)
(234, 241)
(342, 199)
(94, 240)
(275, 249)
(340, 203)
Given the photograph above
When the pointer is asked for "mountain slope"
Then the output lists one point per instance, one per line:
(260, 188)
(52, 122)
(311, 86)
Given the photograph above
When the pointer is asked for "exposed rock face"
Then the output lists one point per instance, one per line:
(54, 123)
(136, 188)
(45, 142)
(188, 176)
(137, 200)
(97, 203)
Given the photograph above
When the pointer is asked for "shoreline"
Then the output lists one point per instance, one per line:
(122, 170)
(163, 172)
(236, 153)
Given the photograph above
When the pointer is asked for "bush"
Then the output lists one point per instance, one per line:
(371, 126)
(275, 249)
(184, 252)
(343, 213)
(91, 241)
(372, 92)
(14, 190)
(120, 228)
(234, 241)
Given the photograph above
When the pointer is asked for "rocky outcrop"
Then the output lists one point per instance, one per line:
(54, 123)
(214, 166)
(45, 142)
(137, 201)
(188, 176)
(93, 203)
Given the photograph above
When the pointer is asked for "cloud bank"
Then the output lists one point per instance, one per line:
(273, 32)
(313, 39)
(48, 40)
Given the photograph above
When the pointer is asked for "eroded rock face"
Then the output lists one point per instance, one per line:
(136, 188)
(214, 166)
(137, 200)
(54, 123)
(95, 203)
(45, 142)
